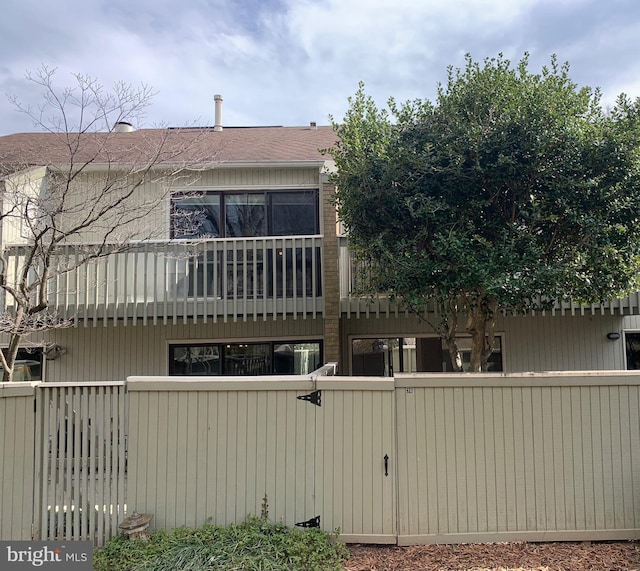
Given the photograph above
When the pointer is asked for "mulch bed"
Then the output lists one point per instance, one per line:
(600, 556)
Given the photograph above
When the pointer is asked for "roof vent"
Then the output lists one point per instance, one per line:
(218, 124)
(313, 126)
(123, 127)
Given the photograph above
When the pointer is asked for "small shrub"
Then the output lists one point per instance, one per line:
(256, 544)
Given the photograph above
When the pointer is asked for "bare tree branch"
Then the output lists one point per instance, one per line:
(90, 185)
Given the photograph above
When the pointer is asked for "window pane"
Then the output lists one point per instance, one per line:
(195, 216)
(246, 359)
(28, 364)
(296, 358)
(294, 213)
(375, 357)
(245, 215)
(632, 343)
(494, 364)
(194, 360)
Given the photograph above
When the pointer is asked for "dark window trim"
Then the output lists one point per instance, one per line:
(222, 345)
(267, 193)
(627, 346)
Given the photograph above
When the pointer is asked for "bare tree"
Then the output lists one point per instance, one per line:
(83, 179)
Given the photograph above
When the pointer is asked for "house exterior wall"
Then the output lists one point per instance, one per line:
(108, 353)
(27, 183)
(529, 343)
(155, 195)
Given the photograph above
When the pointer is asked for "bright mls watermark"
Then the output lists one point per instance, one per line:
(71, 555)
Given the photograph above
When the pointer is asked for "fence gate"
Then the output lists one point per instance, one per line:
(80, 461)
(356, 459)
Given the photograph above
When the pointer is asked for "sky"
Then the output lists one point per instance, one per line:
(289, 62)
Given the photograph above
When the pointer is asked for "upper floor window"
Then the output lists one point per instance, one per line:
(214, 214)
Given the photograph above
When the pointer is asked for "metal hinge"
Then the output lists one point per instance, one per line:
(313, 522)
(314, 398)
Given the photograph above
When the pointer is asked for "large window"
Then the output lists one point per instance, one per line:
(386, 356)
(632, 348)
(213, 214)
(279, 358)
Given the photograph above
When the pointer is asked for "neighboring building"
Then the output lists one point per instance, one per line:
(261, 285)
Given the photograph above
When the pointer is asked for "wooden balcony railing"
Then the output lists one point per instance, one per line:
(239, 279)
(354, 304)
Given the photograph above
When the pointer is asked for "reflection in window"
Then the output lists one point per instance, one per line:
(28, 364)
(245, 359)
(296, 358)
(213, 214)
(196, 216)
(632, 346)
(387, 356)
(293, 213)
(245, 215)
(194, 360)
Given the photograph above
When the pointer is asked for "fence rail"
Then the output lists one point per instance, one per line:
(167, 281)
(419, 458)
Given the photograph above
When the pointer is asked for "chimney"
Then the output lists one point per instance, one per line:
(218, 123)
(123, 127)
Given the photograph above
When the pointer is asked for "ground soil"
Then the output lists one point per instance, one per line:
(569, 556)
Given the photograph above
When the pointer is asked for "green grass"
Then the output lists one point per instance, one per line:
(254, 545)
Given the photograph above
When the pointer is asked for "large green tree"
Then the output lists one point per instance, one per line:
(511, 191)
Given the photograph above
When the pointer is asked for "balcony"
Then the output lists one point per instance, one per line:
(354, 305)
(237, 279)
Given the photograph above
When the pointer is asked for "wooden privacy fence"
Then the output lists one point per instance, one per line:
(416, 459)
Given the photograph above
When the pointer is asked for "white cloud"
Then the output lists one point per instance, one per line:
(292, 61)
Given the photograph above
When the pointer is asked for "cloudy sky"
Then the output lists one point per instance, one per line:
(288, 62)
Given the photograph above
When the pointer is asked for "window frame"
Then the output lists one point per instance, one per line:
(626, 332)
(223, 345)
(351, 338)
(41, 349)
(268, 195)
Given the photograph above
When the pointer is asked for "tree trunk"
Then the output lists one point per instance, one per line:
(450, 329)
(9, 356)
(481, 327)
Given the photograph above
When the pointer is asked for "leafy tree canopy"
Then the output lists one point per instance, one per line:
(512, 190)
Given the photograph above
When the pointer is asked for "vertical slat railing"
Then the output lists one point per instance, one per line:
(273, 277)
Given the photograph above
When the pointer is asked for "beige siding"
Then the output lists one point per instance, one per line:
(355, 432)
(213, 449)
(16, 188)
(112, 352)
(17, 436)
(222, 178)
(530, 343)
(154, 195)
(215, 453)
(495, 459)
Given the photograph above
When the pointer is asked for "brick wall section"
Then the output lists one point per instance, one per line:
(331, 285)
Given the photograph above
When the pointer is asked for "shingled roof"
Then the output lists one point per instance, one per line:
(191, 145)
